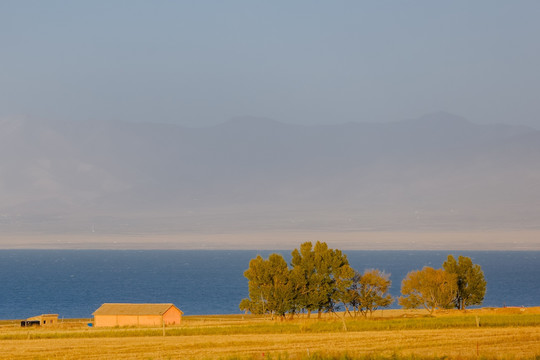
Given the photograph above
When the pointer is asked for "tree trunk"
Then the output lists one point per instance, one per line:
(319, 313)
(291, 315)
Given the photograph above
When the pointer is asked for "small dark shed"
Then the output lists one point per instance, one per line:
(43, 319)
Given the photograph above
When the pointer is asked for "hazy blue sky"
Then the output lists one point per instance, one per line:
(202, 62)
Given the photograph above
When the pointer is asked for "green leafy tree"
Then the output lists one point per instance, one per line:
(281, 294)
(335, 273)
(430, 288)
(321, 275)
(257, 303)
(269, 286)
(304, 277)
(471, 284)
(343, 275)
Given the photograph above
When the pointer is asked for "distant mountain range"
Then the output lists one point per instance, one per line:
(438, 172)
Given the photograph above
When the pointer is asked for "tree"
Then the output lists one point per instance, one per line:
(352, 295)
(321, 276)
(372, 291)
(269, 286)
(304, 276)
(430, 288)
(335, 273)
(343, 275)
(257, 303)
(471, 285)
(281, 295)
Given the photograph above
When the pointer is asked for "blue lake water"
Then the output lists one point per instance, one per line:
(74, 283)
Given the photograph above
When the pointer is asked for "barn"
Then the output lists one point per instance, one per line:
(137, 315)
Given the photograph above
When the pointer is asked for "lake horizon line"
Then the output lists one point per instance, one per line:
(480, 240)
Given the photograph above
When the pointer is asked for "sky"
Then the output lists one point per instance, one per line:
(199, 63)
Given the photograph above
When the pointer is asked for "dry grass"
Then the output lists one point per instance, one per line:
(456, 343)
(218, 340)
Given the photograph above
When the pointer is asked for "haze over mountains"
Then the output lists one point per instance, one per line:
(437, 172)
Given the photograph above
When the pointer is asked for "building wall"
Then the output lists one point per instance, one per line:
(150, 320)
(45, 320)
(49, 320)
(127, 320)
(105, 320)
(172, 316)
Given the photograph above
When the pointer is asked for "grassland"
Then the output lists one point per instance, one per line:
(392, 334)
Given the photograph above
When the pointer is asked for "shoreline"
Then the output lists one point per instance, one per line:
(487, 240)
(377, 315)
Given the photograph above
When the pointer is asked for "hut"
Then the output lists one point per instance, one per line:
(137, 315)
(43, 319)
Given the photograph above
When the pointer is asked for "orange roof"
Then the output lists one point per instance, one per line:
(134, 309)
(42, 316)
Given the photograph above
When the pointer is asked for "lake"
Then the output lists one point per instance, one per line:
(74, 283)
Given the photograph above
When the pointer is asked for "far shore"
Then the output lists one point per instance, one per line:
(495, 240)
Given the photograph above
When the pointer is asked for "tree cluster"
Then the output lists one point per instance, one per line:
(458, 284)
(320, 279)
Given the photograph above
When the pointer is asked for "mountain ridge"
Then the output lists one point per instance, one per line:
(244, 174)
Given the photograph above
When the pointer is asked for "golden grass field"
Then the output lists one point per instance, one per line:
(391, 334)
